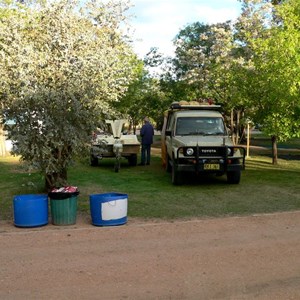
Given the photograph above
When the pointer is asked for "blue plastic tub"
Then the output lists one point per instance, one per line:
(109, 209)
(30, 210)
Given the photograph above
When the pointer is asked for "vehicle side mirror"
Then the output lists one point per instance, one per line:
(168, 132)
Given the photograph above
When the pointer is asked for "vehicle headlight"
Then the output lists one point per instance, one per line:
(189, 151)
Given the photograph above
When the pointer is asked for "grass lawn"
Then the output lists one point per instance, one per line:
(151, 195)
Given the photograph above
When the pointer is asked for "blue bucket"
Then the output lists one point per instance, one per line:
(108, 209)
(30, 210)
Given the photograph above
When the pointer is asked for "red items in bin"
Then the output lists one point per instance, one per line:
(66, 189)
(63, 193)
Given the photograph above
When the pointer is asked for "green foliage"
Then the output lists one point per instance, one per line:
(145, 95)
(276, 77)
(131, 104)
(201, 59)
(61, 66)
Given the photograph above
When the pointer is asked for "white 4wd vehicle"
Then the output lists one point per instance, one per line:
(195, 139)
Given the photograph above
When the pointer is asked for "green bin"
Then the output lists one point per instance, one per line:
(63, 208)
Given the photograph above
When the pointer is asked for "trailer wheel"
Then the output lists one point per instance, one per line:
(94, 161)
(117, 165)
(132, 160)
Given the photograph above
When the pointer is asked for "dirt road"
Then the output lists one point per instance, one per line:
(256, 257)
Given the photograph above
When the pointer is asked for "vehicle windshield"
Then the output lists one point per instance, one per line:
(200, 126)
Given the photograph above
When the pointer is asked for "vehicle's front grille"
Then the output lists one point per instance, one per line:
(206, 151)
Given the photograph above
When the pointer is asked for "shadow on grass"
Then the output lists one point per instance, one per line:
(192, 179)
(109, 164)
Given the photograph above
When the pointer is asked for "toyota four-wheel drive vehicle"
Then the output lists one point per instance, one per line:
(195, 140)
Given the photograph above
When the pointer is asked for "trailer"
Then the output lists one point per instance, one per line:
(115, 143)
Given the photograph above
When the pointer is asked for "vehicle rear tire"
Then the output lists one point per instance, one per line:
(234, 177)
(94, 161)
(176, 176)
(168, 165)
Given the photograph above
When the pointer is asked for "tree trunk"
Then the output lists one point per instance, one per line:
(237, 127)
(274, 150)
(55, 180)
(232, 126)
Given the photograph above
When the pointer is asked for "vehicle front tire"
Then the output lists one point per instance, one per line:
(168, 164)
(176, 176)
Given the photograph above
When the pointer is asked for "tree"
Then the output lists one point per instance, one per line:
(272, 81)
(143, 98)
(61, 64)
(193, 53)
(146, 95)
(131, 105)
(205, 57)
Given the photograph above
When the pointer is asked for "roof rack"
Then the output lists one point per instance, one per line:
(194, 106)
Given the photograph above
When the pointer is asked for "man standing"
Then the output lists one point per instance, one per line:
(146, 133)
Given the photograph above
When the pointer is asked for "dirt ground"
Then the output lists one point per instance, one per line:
(255, 257)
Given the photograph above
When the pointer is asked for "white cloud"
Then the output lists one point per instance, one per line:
(158, 21)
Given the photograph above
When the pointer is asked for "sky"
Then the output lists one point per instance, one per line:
(156, 22)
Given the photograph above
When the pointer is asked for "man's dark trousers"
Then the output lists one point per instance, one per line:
(146, 149)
